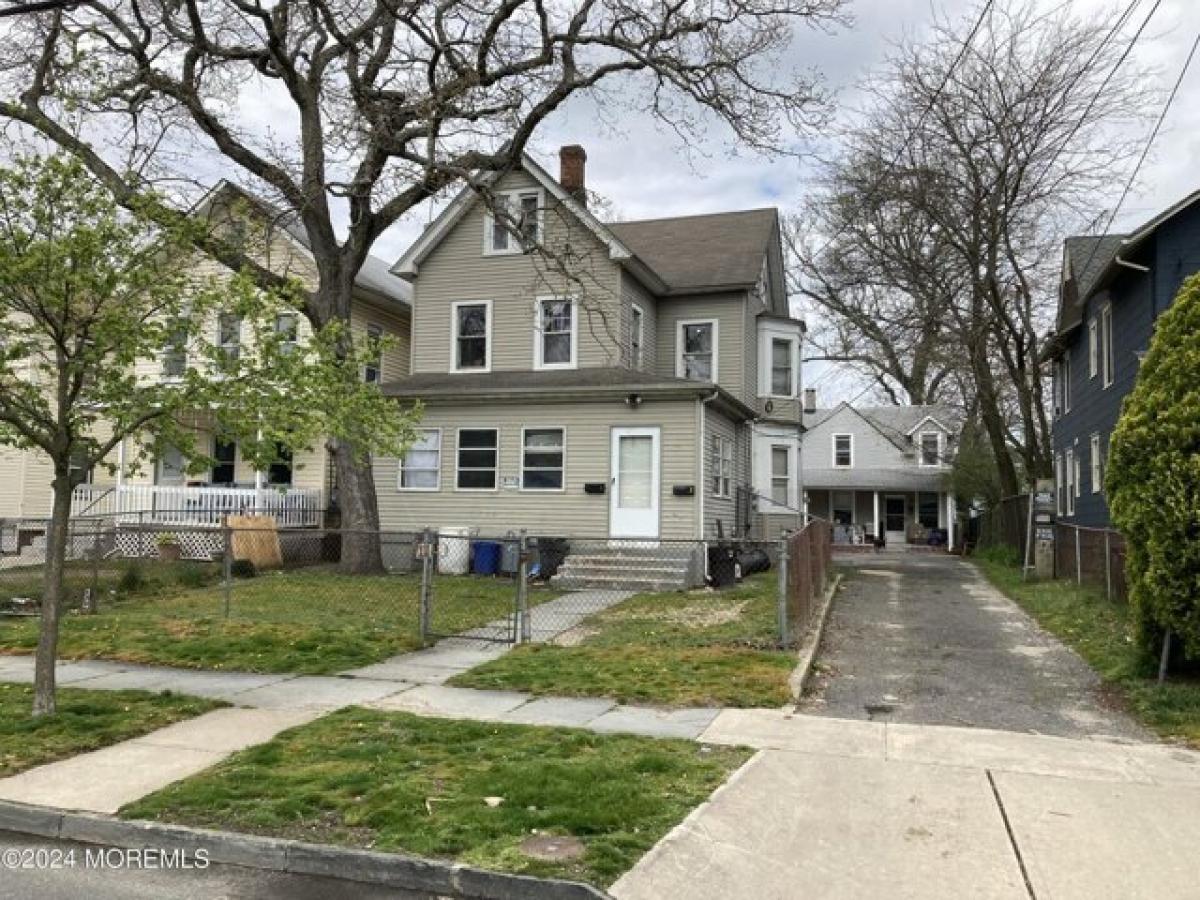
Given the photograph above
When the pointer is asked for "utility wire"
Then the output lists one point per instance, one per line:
(17, 9)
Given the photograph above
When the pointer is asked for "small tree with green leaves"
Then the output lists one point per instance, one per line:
(90, 295)
(1153, 479)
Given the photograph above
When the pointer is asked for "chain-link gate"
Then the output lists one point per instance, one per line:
(473, 589)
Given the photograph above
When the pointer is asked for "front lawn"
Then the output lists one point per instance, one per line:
(1101, 632)
(312, 621)
(697, 648)
(393, 781)
(86, 720)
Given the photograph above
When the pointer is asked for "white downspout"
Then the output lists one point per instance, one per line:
(701, 403)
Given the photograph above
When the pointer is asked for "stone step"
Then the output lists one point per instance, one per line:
(594, 559)
(618, 583)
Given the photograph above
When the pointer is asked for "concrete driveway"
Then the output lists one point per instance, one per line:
(923, 638)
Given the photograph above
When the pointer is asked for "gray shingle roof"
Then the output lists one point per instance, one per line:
(894, 422)
(695, 252)
(1088, 256)
(897, 479)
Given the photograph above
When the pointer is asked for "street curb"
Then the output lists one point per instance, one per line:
(394, 870)
(807, 654)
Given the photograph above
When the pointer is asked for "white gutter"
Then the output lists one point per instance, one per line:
(701, 403)
(1130, 265)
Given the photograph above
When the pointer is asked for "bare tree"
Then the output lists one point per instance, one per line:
(378, 105)
(982, 152)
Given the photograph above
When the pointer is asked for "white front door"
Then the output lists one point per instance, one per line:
(636, 477)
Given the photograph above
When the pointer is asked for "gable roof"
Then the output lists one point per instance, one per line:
(894, 423)
(374, 276)
(705, 252)
(674, 255)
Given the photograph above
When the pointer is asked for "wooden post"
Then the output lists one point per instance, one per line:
(782, 592)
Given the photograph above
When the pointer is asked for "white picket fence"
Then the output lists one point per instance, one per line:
(153, 503)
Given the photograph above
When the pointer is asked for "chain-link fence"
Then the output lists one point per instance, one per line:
(1093, 556)
(247, 594)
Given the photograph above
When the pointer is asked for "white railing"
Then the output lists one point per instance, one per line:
(153, 503)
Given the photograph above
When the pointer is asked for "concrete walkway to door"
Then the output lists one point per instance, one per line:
(923, 638)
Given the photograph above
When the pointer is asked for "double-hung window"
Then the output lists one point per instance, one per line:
(722, 466)
(1097, 465)
(471, 335)
(1071, 487)
(224, 470)
(637, 334)
(421, 466)
(781, 475)
(543, 453)
(1060, 486)
(229, 335)
(931, 448)
(373, 367)
(555, 339)
(524, 209)
(697, 343)
(174, 355)
(1065, 373)
(1107, 356)
(287, 328)
(477, 459)
(279, 473)
(843, 451)
(783, 372)
(1093, 347)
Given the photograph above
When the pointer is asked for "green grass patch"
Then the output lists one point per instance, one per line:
(697, 648)
(86, 720)
(397, 782)
(312, 621)
(1102, 632)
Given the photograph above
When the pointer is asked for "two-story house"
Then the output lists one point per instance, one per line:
(299, 488)
(1113, 289)
(879, 472)
(631, 380)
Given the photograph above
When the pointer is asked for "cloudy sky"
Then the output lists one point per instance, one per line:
(646, 173)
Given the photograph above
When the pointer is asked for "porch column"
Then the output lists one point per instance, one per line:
(875, 523)
(950, 520)
(121, 464)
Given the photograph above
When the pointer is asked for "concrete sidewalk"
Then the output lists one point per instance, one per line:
(836, 808)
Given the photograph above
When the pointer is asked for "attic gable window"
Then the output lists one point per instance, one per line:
(843, 451)
(523, 206)
(931, 448)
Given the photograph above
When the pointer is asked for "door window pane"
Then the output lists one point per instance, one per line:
(635, 478)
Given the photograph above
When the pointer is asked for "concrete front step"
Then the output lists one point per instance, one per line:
(619, 583)
(571, 567)
(629, 559)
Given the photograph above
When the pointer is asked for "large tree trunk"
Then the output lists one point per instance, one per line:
(361, 552)
(52, 590)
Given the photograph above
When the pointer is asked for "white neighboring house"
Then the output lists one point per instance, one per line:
(881, 471)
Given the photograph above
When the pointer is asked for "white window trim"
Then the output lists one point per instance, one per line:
(641, 335)
(1108, 359)
(458, 449)
(487, 366)
(424, 490)
(921, 449)
(489, 222)
(1097, 465)
(236, 344)
(1093, 347)
(833, 449)
(1065, 370)
(794, 354)
(716, 345)
(1070, 480)
(539, 346)
(557, 490)
(1059, 486)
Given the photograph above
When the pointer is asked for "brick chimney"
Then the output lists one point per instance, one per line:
(572, 161)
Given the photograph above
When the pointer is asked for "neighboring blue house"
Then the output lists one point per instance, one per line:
(1113, 289)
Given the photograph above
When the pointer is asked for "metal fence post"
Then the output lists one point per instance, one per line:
(525, 628)
(1108, 564)
(782, 585)
(1079, 561)
(227, 563)
(425, 601)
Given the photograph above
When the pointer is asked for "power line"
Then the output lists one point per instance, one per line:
(987, 8)
(1187, 63)
(35, 6)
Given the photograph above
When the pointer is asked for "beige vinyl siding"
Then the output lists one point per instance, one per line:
(727, 310)
(632, 292)
(396, 326)
(588, 455)
(13, 489)
(458, 270)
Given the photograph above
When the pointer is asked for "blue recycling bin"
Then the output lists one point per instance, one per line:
(487, 557)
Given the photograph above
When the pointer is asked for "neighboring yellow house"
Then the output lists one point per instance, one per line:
(297, 492)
